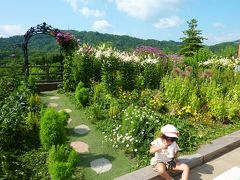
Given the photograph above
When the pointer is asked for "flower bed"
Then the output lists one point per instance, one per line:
(132, 94)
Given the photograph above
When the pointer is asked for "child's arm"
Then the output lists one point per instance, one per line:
(154, 149)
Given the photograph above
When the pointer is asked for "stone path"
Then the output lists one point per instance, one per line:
(100, 165)
(54, 97)
(81, 129)
(67, 110)
(52, 105)
(69, 120)
(79, 146)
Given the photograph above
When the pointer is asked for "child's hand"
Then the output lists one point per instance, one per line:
(164, 145)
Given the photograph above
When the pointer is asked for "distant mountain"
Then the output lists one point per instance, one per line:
(225, 48)
(44, 45)
(124, 42)
(237, 41)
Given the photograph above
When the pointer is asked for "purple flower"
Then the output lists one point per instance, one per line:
(175, 58)
(66, 40)
(150, 50)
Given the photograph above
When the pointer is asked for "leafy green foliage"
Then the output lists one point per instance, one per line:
(17, 133)
(7, 85)
(152, 75)
(128, 76)
(82, 94)
(52, 128)
(68, 80)
(110, 74)
(61, 162)
(85, 67)
(34, 164)
(13, 122)
(138, 126)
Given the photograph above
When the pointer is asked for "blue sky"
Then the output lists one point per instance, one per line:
(146, 19)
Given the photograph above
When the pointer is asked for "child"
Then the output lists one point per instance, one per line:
(165, 149)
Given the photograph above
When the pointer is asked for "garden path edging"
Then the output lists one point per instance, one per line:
(205, 153)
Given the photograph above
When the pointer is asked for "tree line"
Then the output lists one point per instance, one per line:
(44, 48)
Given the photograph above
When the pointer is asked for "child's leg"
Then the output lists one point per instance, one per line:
(161, 168)
(184, 168)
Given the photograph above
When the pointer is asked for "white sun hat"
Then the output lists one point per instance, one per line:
(170, 131)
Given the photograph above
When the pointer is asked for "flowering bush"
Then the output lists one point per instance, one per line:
(136, 130)
(221, 61)
(145, 50)
(136, 127)
(120, 70)
(66, 41)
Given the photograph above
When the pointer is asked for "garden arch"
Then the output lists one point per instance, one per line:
(39, 29)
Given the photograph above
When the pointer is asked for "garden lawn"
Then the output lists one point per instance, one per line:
(98, 147)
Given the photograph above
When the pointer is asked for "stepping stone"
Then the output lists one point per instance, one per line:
(79, 146)
(66, 110)
(69, 120)
(52, 105)
(101, 165)
(81, 129)
(54, 97)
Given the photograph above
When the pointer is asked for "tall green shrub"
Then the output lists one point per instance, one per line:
(86, 68)
(152, 74)
(82, 94)
(13, 122)
(52, 128)
(109, 74)
(68, 80)
(61, 162)
(178, 90)
(128, 75)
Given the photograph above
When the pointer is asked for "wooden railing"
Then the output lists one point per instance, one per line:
(42, 73)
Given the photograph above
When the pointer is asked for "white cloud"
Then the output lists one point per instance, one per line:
(85, 1)
(218, 25)
(73, 4)
(170, 22)
(85, 11)
(10, 30)
(219, 38)
(145, 9)
(101, 25)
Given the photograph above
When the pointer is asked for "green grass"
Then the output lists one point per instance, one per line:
(98, 148)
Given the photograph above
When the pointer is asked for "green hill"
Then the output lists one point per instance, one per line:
(44, 46)
(225, 48)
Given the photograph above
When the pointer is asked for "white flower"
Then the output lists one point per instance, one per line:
(127, 145)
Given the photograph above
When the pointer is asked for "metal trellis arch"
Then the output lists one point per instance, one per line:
(39, 29)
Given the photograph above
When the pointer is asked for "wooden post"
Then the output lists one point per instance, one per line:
(238, 51)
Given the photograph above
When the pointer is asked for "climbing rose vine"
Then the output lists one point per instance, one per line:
(66, 40)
